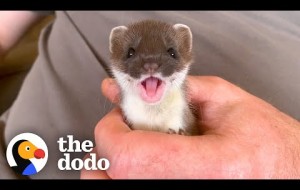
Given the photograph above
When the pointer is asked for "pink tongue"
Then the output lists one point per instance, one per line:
(151, 86)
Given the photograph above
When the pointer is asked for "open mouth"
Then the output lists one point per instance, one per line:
(151, 89)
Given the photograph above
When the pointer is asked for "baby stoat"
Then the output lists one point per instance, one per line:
(150, 61)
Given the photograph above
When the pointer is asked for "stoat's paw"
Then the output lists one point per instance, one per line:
(180, 132)
(171, 131)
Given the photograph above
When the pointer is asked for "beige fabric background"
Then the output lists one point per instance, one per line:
(17, 63)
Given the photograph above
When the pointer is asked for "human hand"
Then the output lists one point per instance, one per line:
(242, 137)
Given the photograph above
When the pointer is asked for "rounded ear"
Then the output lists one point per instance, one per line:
(184, 33)
(115, 37)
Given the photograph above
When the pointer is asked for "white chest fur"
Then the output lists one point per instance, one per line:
(168, 114)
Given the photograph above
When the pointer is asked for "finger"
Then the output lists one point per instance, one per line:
(155, 155)
(109, 128)
(111, 90)
(92, 174)
(148, 154)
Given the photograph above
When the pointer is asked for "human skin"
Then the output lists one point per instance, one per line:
(13, 25)
(242, 137)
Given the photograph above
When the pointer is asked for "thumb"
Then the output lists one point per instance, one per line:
(111, 90)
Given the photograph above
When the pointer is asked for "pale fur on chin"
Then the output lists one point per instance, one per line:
(171, 112)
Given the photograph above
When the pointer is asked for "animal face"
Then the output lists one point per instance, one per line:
(150, 58)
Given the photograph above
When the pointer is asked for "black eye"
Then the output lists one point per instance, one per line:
(27, 148)
(172, 53)
(130, 52)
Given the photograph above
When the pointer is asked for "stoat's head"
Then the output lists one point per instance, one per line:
(150, 58)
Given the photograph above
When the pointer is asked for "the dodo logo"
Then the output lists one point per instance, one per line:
(27, 154)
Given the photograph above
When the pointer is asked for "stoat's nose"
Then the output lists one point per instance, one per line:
(39, 153)
(150, 67)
